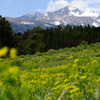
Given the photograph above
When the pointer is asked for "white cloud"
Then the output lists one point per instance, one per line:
(92, 1)
(96, 9)
(86, 5)
(56, 5)
(81, 4)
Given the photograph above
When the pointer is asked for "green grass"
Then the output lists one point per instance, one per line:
(65, 74)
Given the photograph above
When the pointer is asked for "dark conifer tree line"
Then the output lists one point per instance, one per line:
(6, 34)
(41, 40)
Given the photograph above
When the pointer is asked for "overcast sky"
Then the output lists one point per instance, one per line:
(16, 8)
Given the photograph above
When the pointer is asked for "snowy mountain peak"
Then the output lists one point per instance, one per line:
(63, 11)
(90, 13)
(67, 15)
(73, 11)
(69, 11)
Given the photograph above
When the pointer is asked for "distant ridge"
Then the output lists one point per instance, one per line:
(64, 16)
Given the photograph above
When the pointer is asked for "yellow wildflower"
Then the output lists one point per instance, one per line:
(43, 82)
(13, 53)
(0, 83)
(83, 77)
(3, 51)
(66, 80)
(76, 60)
(57, 83)
(13, 69)
(71, 96)
(98, 79)
(74, 90)
(48, 97)
(94, 62)
(73, 86)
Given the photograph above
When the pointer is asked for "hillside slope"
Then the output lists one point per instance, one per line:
(65, 74)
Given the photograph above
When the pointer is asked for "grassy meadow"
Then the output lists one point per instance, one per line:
(64, 74)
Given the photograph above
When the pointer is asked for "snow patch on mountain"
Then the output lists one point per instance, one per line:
(64, 22)
(98, 20)
(90, 13)
(29, 23)
(46, 14)
(62, 10)
(56, 23)
(87, 13)
(75, 14)
(96, 24)
(47, 25)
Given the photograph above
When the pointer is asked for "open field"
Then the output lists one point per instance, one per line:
(65, 74)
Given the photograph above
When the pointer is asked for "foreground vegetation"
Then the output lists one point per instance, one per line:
(65, 74)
